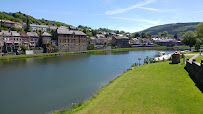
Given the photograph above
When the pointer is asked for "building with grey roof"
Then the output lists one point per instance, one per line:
(70, 40)
(121, 41)
(34, 39)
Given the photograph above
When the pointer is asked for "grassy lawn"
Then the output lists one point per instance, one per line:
(188, 57)
(193, 52)
(155, 88)
(199, 58)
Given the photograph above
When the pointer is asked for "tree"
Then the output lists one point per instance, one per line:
(117, 32)
(199, 31)
(165, 34)
(143, 35)
(23, 47)
(90, 46)
(84, 30)
(13, 28)
(28, 29)
(94, 32)
(175, 36)
(198, 44)
(189, 39)
(122, 32)
(106, 35)
(137, 35)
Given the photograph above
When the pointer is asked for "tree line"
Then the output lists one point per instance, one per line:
(194, 38)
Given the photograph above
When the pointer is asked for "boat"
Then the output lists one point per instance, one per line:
(160, 53)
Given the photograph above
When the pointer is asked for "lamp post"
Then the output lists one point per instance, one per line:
(139, 60)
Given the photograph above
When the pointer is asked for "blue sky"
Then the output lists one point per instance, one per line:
(128, 15)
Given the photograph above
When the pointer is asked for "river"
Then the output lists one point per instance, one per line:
(42, 85)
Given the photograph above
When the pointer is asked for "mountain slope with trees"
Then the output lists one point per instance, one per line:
(22, 18)
(173, 29)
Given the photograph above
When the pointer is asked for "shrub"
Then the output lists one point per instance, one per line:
(23, 47)
(76, 105)
(90, 46)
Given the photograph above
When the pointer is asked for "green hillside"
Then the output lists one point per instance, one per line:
(176, 28)
(21, 17)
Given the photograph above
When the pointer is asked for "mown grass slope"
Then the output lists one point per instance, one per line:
(155, 88)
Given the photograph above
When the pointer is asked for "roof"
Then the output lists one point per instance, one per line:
(23, 34)
(121, 37)
(32, 34)
(15, 33)
(79, 33)
(6, 33)
(46, 34)
(64, 31)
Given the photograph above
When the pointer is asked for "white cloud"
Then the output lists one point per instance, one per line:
(137, 19)
(138, 5)
(151, 9)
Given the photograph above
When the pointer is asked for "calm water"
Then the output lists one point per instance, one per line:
(41, 85)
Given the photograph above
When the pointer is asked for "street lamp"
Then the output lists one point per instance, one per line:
(139, 60)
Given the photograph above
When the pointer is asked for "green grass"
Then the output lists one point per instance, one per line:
(79, 52)
(181, 46)
(193, 52)
(199, 58)
(156, 88)
(188, 57)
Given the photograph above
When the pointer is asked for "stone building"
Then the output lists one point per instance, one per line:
(8, 41)
(70, 40)
(120, 41)
(16, 39)
(25, 39)
(1, 42)
(34, 39)
(45, 37)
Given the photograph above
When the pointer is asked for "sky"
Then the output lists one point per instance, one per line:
(128, 15)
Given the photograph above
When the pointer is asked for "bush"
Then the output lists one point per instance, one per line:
(90, 46)
(76, 105)
(23, 47)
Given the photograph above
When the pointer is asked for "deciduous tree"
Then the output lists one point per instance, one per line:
(189, 39)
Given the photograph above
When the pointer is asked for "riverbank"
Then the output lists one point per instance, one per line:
(156, 88)
(80, 52)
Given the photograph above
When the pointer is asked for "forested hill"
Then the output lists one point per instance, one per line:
(21, 17)
(176, 28)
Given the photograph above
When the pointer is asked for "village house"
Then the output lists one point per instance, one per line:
(34, 39)
(46, 38)
(93, 40)
(73, 28)
(8, 41)
(25, 39)
(1, 42)
(35, 27)
(70, 40)
(9, 24)
(101, 41)
(121, 42)
(17, 41)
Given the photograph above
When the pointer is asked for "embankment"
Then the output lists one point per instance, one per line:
(79, 52)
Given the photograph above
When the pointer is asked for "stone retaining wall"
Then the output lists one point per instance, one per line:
(195, 71)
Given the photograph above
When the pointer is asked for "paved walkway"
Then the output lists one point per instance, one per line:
(194, 56)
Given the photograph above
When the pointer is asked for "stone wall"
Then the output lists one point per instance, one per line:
(38, 51)
(195, 71)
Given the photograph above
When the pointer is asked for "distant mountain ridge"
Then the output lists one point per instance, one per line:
(175, 28)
